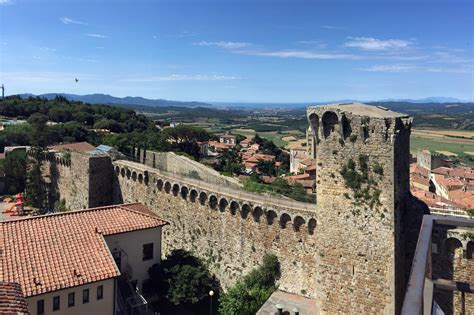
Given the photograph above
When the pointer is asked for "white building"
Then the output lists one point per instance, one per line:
(76, 262)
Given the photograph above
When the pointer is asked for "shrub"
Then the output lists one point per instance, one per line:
(353, 138)
(249, 294)
(377, 168)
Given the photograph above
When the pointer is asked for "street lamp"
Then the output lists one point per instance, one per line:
(211, 293)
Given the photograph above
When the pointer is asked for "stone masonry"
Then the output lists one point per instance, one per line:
(351, 251)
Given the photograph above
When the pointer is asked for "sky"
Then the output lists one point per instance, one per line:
(239, 51)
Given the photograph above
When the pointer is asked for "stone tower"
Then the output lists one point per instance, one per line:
(362, 192)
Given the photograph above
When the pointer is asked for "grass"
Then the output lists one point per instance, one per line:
(272, 136)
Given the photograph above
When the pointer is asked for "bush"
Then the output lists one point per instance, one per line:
(249, 294)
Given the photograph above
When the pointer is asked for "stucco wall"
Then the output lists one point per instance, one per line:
(131, 246)
(94, 307)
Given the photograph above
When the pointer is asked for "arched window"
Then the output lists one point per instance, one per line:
(311, 226)
(330, 122)
(284, 219)
(193, 195)
(297, 223)
(202, 198)
(175, 190)
(184, 192)
(234, 207)
(213, 202)
(223, 204)
(257, 213)
(271, 215)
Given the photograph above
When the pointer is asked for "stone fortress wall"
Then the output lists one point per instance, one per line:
(180, 165)
(351, 254)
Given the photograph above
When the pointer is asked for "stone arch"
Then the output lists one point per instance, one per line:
(175, 190)
(469, 249)
(117, 170)
(140, 178)
(245, 210)
(167, 187)
(159, 184)
(257, 213)
(271, 215)
(311, 226)
(122, 172)
(330, 123)
(346, 127)
(193, 195)
(452, 244)
(134, 176)
(298, 221)
(234, 207)
(284, 219)
(202, 198)
(184, 192)
(213, 202)
(129, 173)
(314, 121)
(146, 177)
(223, 203)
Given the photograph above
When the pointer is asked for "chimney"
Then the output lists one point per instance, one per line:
(279, 308)
(296, 311)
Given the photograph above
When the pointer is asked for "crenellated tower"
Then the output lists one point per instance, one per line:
(362, 190)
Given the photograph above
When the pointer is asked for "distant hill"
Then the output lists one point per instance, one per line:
(128, 100)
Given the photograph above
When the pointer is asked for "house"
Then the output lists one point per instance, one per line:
(430, 161)
(81, 262)
(203, 148)
(297, 155)
(245, 143)
(228, 139)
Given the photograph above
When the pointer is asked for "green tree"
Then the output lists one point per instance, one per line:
(266, 167)
(15, 171)
(35, 186)
(249, 294)
(181, 278)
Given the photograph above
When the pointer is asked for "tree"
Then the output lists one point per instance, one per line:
(35, 186)
(182, 278)
(230, 162)
(266, 167)
(15, 171)
(249, 294)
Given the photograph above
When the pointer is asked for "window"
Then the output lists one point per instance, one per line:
(100, 292)
(70, 299)
(85, 296)
(148, 251)
(56, 303)
(40, 307)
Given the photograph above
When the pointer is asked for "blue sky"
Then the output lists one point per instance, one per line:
(242, 51)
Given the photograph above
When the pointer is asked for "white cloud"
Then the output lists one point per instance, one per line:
(389, 68)
(403, 68)
(332, 27)
(301, 54)
(181, 34)
(225, 45)
(369, 43)
(96, 35)
(67, 20)
(183, 77)
(6, 2)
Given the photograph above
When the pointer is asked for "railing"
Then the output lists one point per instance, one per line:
(233, 193)
(419, 293)
(451, 212)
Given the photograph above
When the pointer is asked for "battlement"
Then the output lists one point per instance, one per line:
(356, 121)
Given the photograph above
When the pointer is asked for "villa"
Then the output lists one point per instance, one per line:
(91, 261)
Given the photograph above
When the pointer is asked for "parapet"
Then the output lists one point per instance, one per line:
(362, 119)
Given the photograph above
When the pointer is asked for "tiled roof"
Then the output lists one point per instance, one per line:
(417, 178)
(458, 172)
(463, 197)
(12, 300)
(78, 146)
(415, 168)
(433, 200)
(53, 252)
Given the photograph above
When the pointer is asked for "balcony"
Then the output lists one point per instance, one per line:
(442, 274)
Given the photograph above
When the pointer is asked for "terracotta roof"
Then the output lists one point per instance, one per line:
(246, 141)
(417, 178)
(308, 161)
(463, 197)
(265, 156)
(435, 201)
(415, 168)
(458, 172)
(12, 300)
(298, 148)
(78, 146)
(448, 182)
(301, 156)
(228, 136)
(52, 252)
